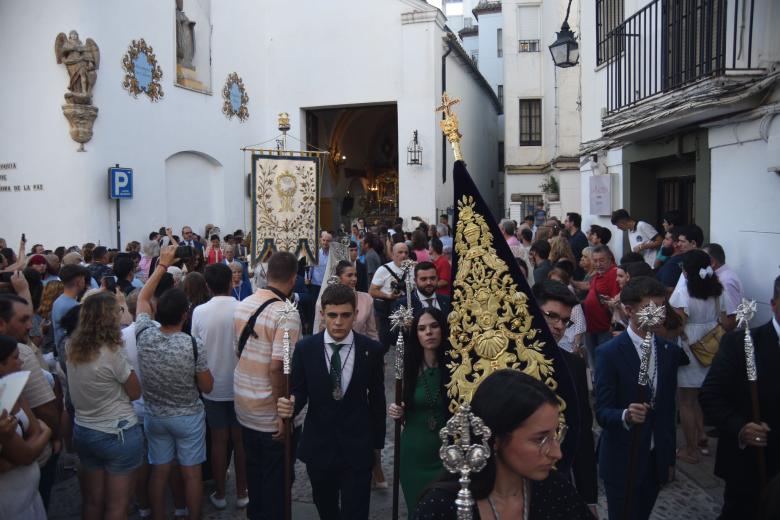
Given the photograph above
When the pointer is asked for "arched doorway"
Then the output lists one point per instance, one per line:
(361, 173)
(195, 190)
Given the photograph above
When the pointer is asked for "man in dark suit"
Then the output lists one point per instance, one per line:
(726, 403)
(556, 302)
(426, 281)
(339, 373)
(360, 268)
(619, 411)
(188, 238)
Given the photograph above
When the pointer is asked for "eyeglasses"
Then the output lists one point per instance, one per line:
(554, 317)
(545, 445)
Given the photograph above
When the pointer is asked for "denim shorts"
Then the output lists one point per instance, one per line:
(182, 437)
(117, 454)
(220, 414)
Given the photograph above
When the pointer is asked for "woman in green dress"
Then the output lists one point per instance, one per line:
(423, 411)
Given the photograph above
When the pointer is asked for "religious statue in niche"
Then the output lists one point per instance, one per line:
(82, 61)
(186, 75)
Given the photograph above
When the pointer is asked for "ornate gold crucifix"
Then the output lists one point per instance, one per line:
(449, 125)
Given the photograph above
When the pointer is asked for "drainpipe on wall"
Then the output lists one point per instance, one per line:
(444, 89)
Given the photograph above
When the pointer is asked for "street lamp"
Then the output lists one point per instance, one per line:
(414, 151)
(565, 50)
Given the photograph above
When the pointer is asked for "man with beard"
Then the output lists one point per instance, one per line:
(426, 281)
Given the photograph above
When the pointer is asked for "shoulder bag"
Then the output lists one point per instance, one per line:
(705, 349)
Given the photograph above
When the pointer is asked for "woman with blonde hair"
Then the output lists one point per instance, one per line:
(102, 384)
(51, 291)
(560, 248)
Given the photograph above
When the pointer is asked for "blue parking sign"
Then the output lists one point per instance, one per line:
(120, 183)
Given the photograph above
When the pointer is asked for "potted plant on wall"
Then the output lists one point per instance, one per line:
(550, 188)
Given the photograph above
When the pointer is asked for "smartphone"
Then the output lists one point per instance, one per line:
(184, 252)
(24, 238)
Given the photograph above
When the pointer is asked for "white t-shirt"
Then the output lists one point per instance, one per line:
(212, 323)
(643, 232)
(383, 278)
(131, 351)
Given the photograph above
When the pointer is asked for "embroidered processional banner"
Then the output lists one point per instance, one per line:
(284, 209)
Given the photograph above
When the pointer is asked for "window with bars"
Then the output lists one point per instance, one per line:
(609, 14)
(530, 122)
(500, 95)
(528, 30)
(501, 156)
(499, 44)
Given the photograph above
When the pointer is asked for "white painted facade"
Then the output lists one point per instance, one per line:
(189, 169)
(741, 184)
(533, 75)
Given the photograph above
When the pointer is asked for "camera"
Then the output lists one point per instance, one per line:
(397, 288)
(184, 252)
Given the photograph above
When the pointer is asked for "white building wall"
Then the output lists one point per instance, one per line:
(744, 203)
(284, 68)
(490, 64)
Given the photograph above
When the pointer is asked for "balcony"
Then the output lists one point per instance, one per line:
(670, 46)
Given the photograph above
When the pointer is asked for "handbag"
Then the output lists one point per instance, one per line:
(705, 349)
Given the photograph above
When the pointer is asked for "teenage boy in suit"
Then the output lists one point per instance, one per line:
(340, 374)
(619, 411)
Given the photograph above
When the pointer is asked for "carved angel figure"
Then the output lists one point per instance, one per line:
(82, 61)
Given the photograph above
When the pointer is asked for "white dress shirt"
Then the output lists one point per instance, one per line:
(424, 300)
(347, 354)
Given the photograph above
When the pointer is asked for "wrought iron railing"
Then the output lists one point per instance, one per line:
(669, 44)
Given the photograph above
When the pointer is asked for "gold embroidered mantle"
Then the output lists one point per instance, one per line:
(490, 326)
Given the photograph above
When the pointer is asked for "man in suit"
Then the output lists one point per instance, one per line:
(556, 302)
(620, 412)
(726, 403)
(339, 373)
(188, 238)
(426, 281)
(360, 268)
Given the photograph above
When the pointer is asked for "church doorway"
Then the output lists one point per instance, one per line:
(360, 176)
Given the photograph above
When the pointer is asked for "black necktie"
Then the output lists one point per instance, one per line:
(335, 370)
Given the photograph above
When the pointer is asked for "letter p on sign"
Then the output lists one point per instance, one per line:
(120, 183)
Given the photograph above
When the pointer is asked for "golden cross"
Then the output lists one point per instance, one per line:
(447, 104)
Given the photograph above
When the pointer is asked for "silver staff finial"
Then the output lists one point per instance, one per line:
(284, 313)
(459, 455)
(745, 312)
(649, 317)
(401, 319)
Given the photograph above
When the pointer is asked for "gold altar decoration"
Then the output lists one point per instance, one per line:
(449, 125)
(229, 106)
(142, 72)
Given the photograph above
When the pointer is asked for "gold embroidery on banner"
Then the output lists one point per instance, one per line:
(490, 326)
(286, 186)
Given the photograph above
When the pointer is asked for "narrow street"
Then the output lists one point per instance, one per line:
(695, 494)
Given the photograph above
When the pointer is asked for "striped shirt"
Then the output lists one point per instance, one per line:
(254, 402)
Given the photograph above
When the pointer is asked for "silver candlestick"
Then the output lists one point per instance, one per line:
(649, 317)
(459, 455)
(745, 312)
(283, 314)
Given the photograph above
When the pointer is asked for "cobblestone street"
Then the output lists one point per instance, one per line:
(695, 494)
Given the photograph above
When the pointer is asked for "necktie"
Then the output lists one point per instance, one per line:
(429, 302)
(335, 371)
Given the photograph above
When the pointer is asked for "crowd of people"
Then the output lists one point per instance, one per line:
(156, 366)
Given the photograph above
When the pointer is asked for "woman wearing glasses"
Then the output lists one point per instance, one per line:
(519, 481)
(424, 408)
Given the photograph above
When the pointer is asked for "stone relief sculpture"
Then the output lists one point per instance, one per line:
(82, 61)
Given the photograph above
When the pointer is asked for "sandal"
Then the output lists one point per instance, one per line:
(704, 446)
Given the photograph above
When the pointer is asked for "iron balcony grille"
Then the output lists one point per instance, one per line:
(528, 46)
(669, 44)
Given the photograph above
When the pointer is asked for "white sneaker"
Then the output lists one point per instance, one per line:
(242, 502)
(219, 503)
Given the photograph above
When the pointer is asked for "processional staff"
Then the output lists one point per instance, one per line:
(648, 318)
(745, 312)
(284, 313)
(400, 319)
(460, 456)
